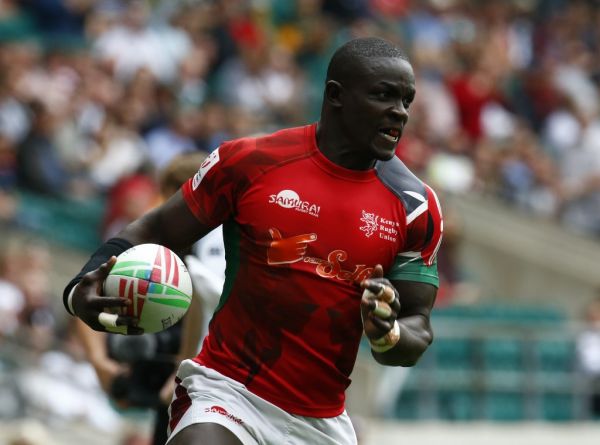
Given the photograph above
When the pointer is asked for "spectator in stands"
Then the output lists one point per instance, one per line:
(580, 169)
(33, 264)
(12, 300)
(175, 137)
(117, 152)
(133, 43)
(127, 200)
(38, 161)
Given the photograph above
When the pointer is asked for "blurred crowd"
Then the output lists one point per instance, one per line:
(98, 95)
(44, 373)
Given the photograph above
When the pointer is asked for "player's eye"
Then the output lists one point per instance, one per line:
(382, 95)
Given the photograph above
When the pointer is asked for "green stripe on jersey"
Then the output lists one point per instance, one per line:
(231, 239)
(411, 269)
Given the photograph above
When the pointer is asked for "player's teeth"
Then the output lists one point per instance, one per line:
(389, 137)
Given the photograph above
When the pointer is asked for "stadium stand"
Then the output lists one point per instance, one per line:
(504, 126)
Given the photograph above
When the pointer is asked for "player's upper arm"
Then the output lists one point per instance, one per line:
(172, 224)
(414, 272)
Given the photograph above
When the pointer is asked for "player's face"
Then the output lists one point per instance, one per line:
(375, 106)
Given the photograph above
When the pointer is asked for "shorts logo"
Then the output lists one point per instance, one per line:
(208, 163)
(222, 411)
(289, 199)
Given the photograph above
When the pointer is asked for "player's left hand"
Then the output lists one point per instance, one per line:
(94, 308)
(380, 304)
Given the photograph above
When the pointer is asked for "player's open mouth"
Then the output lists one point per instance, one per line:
(391, 134)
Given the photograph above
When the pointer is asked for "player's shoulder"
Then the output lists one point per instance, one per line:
(280, 144)
(404, 184)
(251, 157)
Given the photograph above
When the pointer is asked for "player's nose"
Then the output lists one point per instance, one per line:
(398, 112)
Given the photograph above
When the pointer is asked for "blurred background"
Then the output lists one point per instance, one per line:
(96, 96)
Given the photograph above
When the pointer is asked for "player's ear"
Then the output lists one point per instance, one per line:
(333, 93)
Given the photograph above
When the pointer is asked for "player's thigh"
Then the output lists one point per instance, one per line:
(205, 434)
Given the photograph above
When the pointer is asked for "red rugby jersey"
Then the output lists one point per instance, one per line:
(300, 233)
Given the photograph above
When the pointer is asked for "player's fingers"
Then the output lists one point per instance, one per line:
(110, 263)
(117, 330)
(366, 303)
(395, 303)
(119, 324)
(98, 275)
(108, 320)
(384, 325)
(100, 303)
(382, 309)
(134, 330)
(382, 291)
(377, 271)
(127, 330)
(379, 308)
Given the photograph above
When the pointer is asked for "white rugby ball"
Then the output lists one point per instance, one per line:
(157, 283)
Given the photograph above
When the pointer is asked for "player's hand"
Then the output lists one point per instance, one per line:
(379, 305)
(288, 250)
(98, 311)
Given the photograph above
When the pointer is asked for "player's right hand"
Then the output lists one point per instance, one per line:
(376, 324)
(89, 303)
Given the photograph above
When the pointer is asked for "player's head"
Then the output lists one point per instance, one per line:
(369, 86)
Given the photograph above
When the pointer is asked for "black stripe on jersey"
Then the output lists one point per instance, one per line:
(398, 179)
(429, 234)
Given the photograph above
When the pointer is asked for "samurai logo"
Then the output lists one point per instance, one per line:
(370, 220)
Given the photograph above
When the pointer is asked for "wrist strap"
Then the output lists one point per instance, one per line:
(70, 301)
(114, 246)
(388, 341)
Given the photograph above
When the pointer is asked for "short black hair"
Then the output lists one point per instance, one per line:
(361, 48)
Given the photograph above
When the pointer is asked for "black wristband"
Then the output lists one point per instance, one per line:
(113, 246)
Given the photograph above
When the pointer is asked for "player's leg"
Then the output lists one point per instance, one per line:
(205, 434)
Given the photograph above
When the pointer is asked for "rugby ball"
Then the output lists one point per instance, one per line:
(157, 283)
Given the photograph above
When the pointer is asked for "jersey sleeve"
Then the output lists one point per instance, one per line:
(424, 229)
(212, 192)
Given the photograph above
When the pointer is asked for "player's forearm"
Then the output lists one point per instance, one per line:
(415, 337)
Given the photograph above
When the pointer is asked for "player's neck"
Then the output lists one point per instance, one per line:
(339, 150)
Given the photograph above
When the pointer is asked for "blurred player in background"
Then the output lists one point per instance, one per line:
(137, 371)
(327, 234)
